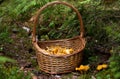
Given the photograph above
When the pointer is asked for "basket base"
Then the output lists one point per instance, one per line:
(59, 65)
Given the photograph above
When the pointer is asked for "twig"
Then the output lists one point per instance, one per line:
(93, 77)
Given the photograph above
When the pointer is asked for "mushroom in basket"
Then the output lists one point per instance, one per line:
(57, 50)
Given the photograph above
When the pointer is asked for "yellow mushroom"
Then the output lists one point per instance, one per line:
(104, 66)
(99, 67)
(83, 68)
(57, 50)
(86, 68)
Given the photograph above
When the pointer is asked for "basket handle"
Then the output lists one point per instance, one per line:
(50, 4)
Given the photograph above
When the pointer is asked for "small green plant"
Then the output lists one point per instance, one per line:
(5, 59)
(84, 76)
(113, 32)
(11, 72)
(114, 63)
(4, 34)
(104, 74)
(21, 9)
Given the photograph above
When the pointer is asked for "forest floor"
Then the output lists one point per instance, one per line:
(21, 49)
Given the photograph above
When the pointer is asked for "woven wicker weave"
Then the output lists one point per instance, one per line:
(59, 64)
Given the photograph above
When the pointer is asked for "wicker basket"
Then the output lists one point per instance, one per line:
(59, 64)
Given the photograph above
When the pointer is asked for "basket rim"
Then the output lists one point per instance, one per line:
(66, 39)
(63, 56)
